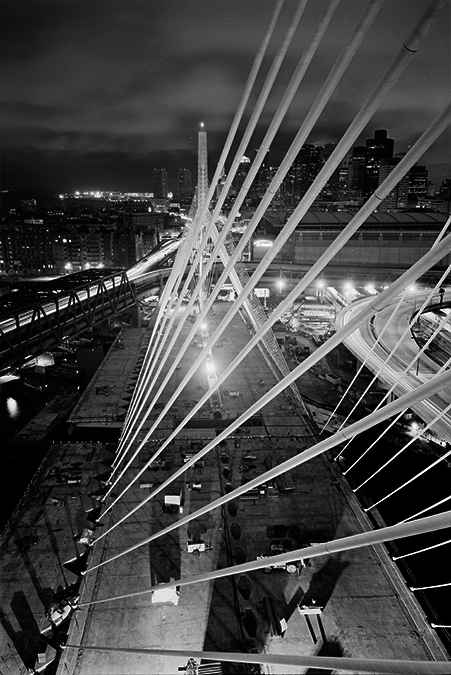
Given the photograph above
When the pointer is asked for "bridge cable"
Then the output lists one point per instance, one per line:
(411, 480)
(421, 550)
(401, 376)
(251, 126)
(330, 663)
(408, 399)
(391, 74)
(409, 159)
(429, 508)
(426, 301)
(291, 90)
(435, 254)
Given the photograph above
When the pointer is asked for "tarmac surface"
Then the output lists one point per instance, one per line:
(358, 603)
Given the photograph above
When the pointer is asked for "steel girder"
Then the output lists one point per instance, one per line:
(33, 328)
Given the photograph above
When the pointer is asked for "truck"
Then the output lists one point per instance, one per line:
(173, 501)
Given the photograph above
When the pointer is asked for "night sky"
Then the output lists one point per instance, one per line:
(96, 93)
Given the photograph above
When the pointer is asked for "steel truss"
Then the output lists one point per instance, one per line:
(40, 325)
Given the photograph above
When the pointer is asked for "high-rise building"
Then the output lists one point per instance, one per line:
(398, 197)
(357, 168)
(185, 183)
(418, 180)
(160, 183)
(242, 171)
(378, 148)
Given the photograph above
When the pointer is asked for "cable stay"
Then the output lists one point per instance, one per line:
(226, 149)
(436, 253)
(362, 365)
(370, 538)
(362, 425)
(380, 336)
(235, 164)
(429, 508)
(383, 366)
(421, 550)
(291, 90)
(323, 96)
(435, 128)
(418, 475)
(330, 663)
(206, 239)
(393, 387)
(428, 588)
(407, 445)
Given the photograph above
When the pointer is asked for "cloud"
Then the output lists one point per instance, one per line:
(135, 78)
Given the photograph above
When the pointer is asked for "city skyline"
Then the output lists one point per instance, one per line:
(95, 100)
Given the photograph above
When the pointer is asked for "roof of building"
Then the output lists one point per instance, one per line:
(278, 218)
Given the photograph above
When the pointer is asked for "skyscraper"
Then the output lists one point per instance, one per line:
(378, 148)
(185, 183)
(160, 183)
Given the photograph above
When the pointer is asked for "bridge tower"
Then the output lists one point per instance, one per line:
(202, 167)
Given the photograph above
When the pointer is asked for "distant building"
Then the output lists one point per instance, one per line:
(185, 183)
(160, 183)
(418, 180)
(357, 169)
(242, 171)
(378, 148)
(398, 197)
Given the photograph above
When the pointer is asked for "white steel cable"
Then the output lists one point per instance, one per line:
(393, 72)
(177, 270)
(369, 538)
(392, 352)
(283, 107)
(411, 480)
(428, 588)
(344, 236)
(429, 508)
(400, 378)
(329, 663)
(439, 416)
(375, 418)
(240, 109)
(235, 164)
(421, 550)
(417, 313)
(362, 365)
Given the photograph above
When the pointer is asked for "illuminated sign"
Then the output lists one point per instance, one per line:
(263, 243)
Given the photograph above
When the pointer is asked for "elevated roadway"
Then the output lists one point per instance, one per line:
(40, 315)
(363, 344)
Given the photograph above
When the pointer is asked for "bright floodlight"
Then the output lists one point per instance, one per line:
(412, 288)
(320, 283)
(348, 286)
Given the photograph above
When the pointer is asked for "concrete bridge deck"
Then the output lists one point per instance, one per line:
(367, 612)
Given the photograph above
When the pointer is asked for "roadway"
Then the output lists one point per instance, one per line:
(363, 344)
(35, 320)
